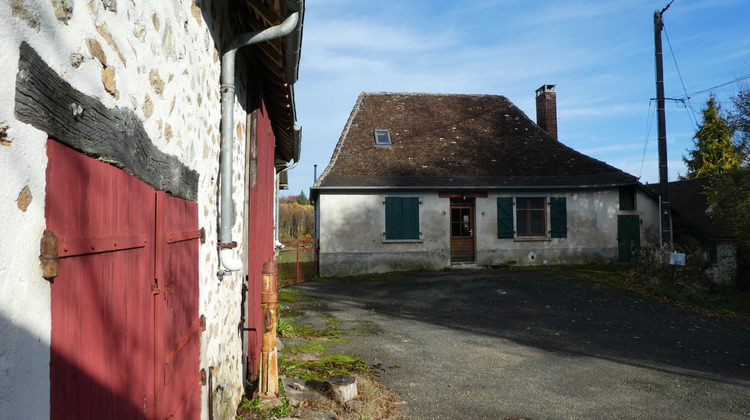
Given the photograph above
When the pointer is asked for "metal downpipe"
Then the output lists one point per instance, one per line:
(226, 257)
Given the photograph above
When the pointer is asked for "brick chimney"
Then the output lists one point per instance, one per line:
(546, 109)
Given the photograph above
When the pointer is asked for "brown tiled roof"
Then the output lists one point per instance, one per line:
(442, 140)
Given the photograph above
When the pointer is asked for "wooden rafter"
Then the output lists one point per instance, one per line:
(254, 15)
(273, 65)
(270, 16)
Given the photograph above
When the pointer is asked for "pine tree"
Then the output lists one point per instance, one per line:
(740, 120)
(715, 151)
(302, 199)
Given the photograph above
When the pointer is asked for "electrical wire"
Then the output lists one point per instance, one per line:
(700, 92)
(649, 124)
(691, 114)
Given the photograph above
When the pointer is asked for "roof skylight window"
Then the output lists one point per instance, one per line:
(382, 137)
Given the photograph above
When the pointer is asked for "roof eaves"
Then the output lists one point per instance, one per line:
(475, 187)
(342, 139)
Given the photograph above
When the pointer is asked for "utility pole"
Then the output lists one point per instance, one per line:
(664, 208)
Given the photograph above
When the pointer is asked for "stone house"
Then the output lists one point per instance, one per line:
(142, 145)
(428, 181)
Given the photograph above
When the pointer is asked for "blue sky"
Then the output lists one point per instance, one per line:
(599, 53)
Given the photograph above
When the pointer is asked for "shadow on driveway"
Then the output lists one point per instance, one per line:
(536, 307)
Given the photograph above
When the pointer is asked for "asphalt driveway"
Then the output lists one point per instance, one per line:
(536, 344)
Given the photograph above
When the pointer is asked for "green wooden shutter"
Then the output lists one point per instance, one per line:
(401, 218)
(410, 218)
(504, 217)
(558, 217)
(392, 218)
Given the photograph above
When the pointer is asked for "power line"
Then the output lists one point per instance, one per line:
(649, 122)
(700, 92)
(691, 115)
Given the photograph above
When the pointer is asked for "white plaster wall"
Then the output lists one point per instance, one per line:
(352, 230)
(592, 232)
(352, 226)
(647, 207)
(151, 40)
(24, 294)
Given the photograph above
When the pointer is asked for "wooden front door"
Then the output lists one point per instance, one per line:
(628, 236)
(124, 304)
(462, 232)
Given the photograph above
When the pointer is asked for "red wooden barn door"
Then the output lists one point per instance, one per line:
(260, 220)
(177, 321)
(125, 325)
(102, 307)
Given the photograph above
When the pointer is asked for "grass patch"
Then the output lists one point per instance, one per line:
(252, 409)
(291, 296)
(314, 347)
(285, 312)
(324, 368)
(287, 328)
(720, 300)
(332, 323)
(366, 328)
(252, 405)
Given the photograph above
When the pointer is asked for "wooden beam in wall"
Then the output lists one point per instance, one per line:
(117, 136)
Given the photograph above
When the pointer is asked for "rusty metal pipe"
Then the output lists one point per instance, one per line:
(269, 302)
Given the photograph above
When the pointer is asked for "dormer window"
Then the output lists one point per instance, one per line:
(382, 137)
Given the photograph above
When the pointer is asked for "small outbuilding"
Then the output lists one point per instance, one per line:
(429, 181)
(694, 226)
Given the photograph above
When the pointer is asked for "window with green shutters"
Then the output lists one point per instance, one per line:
(530, 217)
(401, 218)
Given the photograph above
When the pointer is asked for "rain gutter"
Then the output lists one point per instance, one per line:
(291, 25)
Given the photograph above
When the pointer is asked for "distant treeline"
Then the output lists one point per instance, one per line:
(296, 218)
